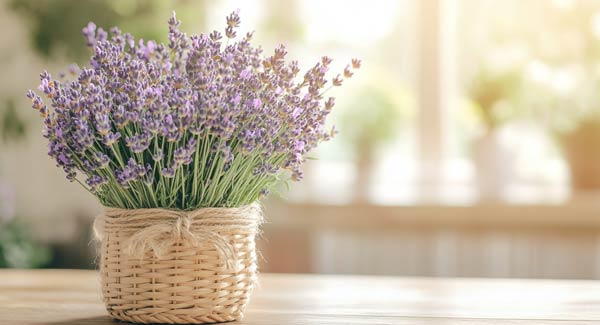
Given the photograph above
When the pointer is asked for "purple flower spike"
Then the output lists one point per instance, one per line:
(90, 33)
(168, 172)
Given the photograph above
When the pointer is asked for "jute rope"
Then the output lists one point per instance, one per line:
(167, 266)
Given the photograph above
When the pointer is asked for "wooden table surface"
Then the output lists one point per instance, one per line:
(73, 297)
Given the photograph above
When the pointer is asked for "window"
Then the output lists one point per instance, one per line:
(415, 125)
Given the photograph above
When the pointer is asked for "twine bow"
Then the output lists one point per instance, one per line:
(157, 230)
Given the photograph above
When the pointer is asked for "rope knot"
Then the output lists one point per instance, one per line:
(182, 224)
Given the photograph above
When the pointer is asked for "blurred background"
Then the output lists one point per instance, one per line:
(469, 142)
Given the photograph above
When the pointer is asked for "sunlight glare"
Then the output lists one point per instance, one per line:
(335, 20)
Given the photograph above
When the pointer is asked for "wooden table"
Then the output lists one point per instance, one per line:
(73, 297)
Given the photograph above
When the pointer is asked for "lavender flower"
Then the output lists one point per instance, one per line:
(158, 155)
(129, 173)
(139, 143)
(94, 181)
(168, 172)
(188, 124)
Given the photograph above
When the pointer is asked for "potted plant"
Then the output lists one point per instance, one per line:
(584, 164)
(369, 119)
(493, 96)
(574, 124)
(179, 142)
(572, 118)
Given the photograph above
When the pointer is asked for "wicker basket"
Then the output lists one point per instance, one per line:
(175, 267)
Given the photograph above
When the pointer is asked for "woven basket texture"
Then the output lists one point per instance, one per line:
(164, 266)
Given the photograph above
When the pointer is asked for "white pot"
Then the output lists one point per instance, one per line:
(494, 166)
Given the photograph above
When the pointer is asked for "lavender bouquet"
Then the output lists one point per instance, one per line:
(178, 142)
(200, 122)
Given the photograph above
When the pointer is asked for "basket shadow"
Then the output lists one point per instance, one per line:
(98, 320)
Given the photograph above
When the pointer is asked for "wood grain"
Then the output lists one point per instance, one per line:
(73, 297)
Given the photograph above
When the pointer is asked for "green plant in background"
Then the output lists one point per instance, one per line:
(17, 247)
(12, 126)
(572, 119)
(561, 87)
(565, 98)
(495, 96)
(370, 119)
(55, 25)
